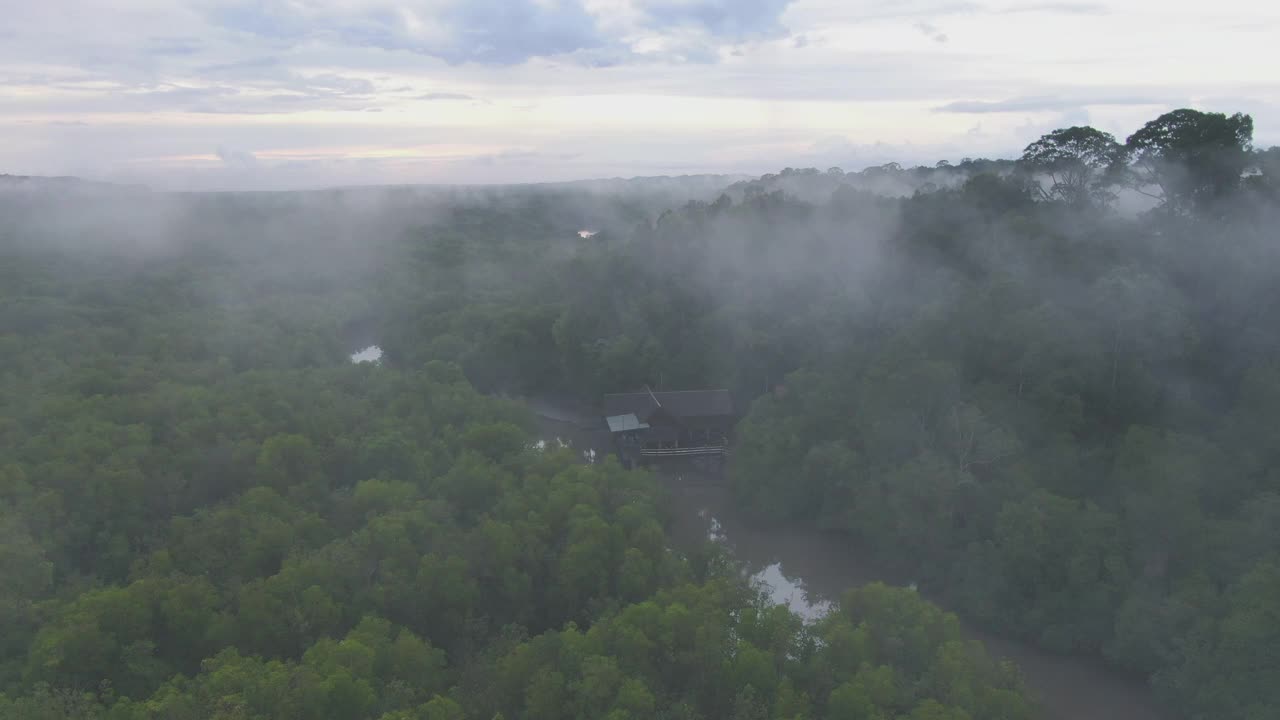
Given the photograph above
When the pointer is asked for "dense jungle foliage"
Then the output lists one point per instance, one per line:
(1047, 388)
(1056, 410)
(208, 511)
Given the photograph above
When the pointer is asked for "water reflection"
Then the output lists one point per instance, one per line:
(371, 354)
(781, 588)
(790, 592)
(806, 571)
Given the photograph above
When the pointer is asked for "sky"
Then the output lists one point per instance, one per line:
(281, 94)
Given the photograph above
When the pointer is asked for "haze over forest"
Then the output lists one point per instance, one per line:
(1044, 388)
(990, 291)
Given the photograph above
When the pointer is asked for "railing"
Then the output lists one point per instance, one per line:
(685, 452)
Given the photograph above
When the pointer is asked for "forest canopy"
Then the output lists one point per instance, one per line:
(1046, 387)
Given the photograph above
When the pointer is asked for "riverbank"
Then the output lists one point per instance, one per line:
(810, 569)
(806, 570)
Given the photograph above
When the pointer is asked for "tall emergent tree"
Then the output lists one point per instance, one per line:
(1082, 162)
(1195, 158)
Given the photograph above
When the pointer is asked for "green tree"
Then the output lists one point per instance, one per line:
(1195, 158)
(1082, 163)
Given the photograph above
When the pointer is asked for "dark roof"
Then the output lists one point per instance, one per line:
(685, 403)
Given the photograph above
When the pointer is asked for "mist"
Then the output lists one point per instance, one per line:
(1035, 392)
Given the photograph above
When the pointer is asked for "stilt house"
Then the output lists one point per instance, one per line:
(670, 424)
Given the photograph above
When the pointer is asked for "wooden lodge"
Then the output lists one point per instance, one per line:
(653, 425)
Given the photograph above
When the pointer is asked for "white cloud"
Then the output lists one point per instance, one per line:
(530, 89)
(236, 158)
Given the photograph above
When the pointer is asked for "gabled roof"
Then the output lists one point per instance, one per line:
(684, 403)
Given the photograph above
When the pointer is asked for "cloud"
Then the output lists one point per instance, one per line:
(841, 151)
(175, 78)
(699, 31)
(888, 10)
(233, 158)
(332, 83)
(732, 20)
(444, 96)
(237, 67)
(932, 32)
(258, 88)
(172, 46)
(512, 32)
(1044, 104)
(1073, 117)
(169, 96)
(1059, 8)
(493, 32)
(520, 157)
(1004, 106)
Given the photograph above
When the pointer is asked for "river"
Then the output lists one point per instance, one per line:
(807, 570)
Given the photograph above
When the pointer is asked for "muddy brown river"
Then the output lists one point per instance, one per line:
(806, 570)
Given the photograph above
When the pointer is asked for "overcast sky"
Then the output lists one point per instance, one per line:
(269, 94)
